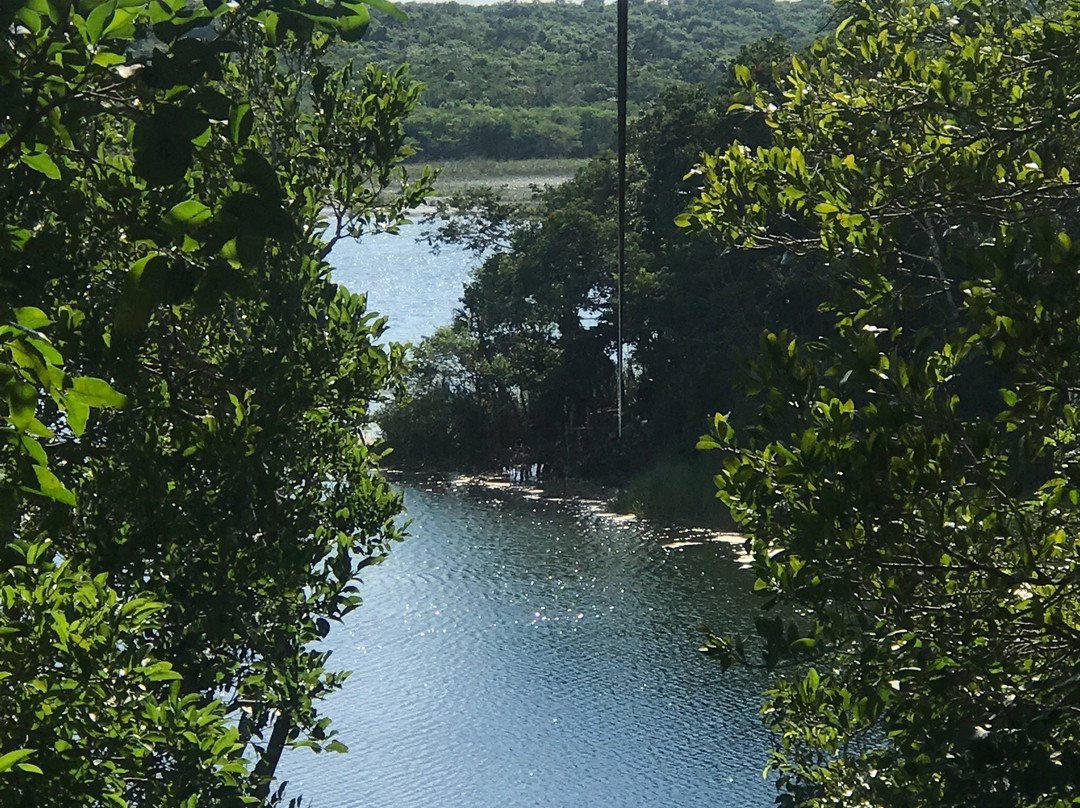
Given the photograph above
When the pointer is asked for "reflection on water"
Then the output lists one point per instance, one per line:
(517, 652)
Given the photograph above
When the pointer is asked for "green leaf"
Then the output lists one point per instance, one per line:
(241, 120)
(49, 485)
(707, 442)
(97, 19)
(41, 161)
(38, 429)
(96, 393)
(351, 26)
(122, 24)
(31, 317)
(798, 162)
(163, 673)
(388, 8)
(28, 356)
(225, 743)
(271, 20)
(78, 413)
(29, 18)
(108, 59)
(187, 215)
(22, 401)
(7, 761)
(33, 448)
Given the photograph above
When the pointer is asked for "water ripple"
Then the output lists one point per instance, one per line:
(535, 654)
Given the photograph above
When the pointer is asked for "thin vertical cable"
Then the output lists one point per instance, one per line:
(623, 15)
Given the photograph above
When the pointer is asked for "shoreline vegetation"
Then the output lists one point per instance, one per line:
(872, 292)
(526, 370)
(524, 373)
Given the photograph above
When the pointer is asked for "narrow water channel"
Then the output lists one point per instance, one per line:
(516, 651)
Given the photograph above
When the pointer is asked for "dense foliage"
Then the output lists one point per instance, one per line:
(526, 80)
(910, 483)
(185, 498)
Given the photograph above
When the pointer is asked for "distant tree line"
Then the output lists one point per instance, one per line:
(526, 80)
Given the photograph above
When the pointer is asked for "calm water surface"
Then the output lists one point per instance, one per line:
(519, 651)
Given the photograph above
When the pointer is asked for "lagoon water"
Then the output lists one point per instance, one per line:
(414, 287)
(519, 650)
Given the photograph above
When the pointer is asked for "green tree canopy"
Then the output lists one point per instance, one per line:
(175, 175)
(909, 483)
